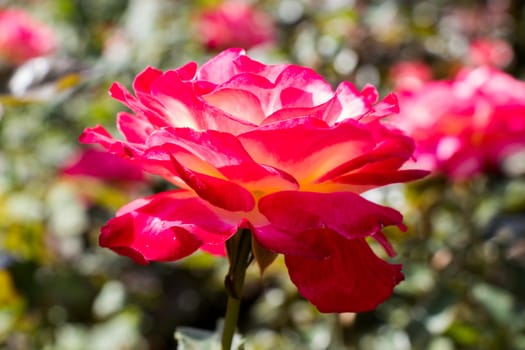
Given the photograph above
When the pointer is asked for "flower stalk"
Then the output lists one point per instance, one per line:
(239, 249)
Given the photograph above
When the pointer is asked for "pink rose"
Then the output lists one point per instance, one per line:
(234, 24)
(468, 125)
(22, 37)
(490, 52)
(409, 75)
(270, 148)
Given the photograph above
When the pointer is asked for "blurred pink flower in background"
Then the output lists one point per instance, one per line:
(409, 75)
(22, 37)
(234, 23)
(491, 52)
(269, 148)
(468, 125)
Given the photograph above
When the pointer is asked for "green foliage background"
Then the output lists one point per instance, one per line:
(463, 255)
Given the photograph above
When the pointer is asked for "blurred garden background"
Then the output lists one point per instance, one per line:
(463, 254)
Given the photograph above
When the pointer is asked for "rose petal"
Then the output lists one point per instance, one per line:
(100, 135)
(134, 152)
(294, 87)
(259, 87)
(135, 128)
(351, 279)
(97, 134)
(388, 106)
(144, 79)
(217, 154)
(183, 107)
(308, 243)
(381, 178)
(145, 238)
(391, 151)
(165, 227)
(242, 104)
(306, 147)
(369, 92)
(145, 106)
(245, 64)
(346, 213)
(346, 104)
(187, 210)
(220, 68)
(188, 71)
(301, 87)
(221, 193)
(103, 165)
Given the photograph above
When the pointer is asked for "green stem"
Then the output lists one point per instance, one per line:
(230, 322)
(239, 249)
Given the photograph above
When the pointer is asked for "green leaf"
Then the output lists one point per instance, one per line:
(196, 339)
(189, 338)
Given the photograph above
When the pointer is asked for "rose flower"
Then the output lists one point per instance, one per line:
(468, 125)
(409, 75)
(234, 23)
(23, 38)
(490, 52)
(268, 148)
